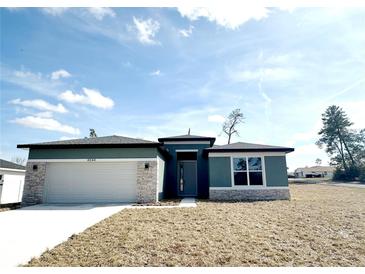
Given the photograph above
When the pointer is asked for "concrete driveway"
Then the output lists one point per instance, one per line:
(28, 232)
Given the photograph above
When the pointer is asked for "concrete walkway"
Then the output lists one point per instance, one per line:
(187, 202)
(29, 231)
(350, 184)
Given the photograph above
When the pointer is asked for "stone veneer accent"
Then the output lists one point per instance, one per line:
(34, 183)
(249, 194)
(147, 182)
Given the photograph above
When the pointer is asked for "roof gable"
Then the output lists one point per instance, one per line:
(10, 165)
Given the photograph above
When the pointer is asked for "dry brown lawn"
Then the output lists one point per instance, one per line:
(320, 226)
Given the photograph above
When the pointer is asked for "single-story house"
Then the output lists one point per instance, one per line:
(314, 172)
(123, 169)
(11, 182)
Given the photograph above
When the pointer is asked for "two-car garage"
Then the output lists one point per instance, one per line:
(110, 169)
(90, 182)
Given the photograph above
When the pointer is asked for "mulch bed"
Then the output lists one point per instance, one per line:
(321, 226)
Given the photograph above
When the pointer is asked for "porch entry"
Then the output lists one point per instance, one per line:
(187, 174)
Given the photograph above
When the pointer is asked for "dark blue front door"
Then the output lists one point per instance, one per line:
(187, 178)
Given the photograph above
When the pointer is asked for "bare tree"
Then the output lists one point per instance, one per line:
(19, 160)
(92, 133)
(318, 162)
(229, 126)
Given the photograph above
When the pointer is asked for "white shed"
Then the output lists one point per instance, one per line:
(11, 182)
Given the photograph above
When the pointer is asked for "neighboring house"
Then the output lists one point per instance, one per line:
(11, 182)
(314, 172)
(122, 169)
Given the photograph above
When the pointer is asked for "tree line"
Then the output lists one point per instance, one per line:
(344, 145)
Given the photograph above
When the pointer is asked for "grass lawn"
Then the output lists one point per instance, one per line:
(321, 226)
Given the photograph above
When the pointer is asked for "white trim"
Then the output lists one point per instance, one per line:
(248, 172)
(187, 150)
(248, 187)
(264, 170)
(93, 160)
(245, 154)
(185, 142)
(158, 176)
(12, 169)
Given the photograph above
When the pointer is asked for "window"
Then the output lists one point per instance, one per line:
(247, 171)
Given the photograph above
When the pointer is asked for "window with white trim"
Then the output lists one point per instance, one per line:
(247, 171)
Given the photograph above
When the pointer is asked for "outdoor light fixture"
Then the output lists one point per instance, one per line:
(35, 167)
(146, 165)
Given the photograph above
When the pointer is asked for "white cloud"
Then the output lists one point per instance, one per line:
(30, 80)
(226, 15)
(40, 104)
(266, 74)
(146, 30)
(54, 11)
(355, 112)
(97, 12)
(46, 123)
(44, 114)
(64, 138)
(88, 97)
(156, 73)
(216, 118)
(186, 32)
(60, 74)
(100, 13)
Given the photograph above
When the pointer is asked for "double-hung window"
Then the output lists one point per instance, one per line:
(247, 171)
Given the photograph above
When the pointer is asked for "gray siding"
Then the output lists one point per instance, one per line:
(276, 172)
(92, 153)
(220, 171)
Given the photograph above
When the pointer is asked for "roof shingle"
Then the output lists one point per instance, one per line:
(102, 141)
(188, 137)
(241, 146)
(10, 165)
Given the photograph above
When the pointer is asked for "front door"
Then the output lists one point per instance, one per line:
(187, 178)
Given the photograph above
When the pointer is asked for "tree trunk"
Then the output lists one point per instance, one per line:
(346, 147)
(229, 138)
(340, 149)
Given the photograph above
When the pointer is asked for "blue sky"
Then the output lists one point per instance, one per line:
(154, 72)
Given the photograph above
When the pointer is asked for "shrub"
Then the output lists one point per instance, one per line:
(362, 174)
(349, 174)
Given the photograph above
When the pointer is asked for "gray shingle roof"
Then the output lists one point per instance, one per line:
(188, 137)
(241, 146)
(106, 140)
(11, 165)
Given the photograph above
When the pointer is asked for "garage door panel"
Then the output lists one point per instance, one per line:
(91, 182)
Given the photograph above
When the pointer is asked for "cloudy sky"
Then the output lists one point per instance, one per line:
(156, 72)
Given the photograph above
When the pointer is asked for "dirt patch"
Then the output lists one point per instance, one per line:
(320, 226)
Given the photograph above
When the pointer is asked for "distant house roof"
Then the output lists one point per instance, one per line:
(10, 165)
(187, 137)
(315, 169)
(106, 141)
(247, 147)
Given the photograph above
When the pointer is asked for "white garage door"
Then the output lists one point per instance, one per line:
(91, 182)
